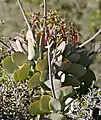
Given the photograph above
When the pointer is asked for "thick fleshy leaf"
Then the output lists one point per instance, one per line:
(73, 57)
(60, 73)
(58, 94)
(23, 72)
(88, 78)
(61, 47)
(25, 47)
(71, 80)
(59, 58)
(63, 77)
(34, 108)
(34, 80)
(29, 35)
(56, 116)
(42, 65)
(14, 46)
(84, 60)
(66, 90)
(68, 100)
(65, 65)
(58, 63)
(19, 58)
(44, 103)
(55, 104)
(76, 70)
(68, 50)
(15, 75)
(9, 65)
(31, 50)
(83, 89)
(56, 83)
(43, 76)
(19, 45)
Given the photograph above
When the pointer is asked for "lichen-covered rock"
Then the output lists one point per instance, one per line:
(14, 100)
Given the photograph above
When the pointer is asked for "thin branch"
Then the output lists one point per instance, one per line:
(6, 46)
(45, 15)
(50, 69)
(89, 40)
(40, 46)
(24, 15)
(95, 51)
(44, 28)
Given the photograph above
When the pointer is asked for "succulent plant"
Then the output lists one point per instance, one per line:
(49, 59)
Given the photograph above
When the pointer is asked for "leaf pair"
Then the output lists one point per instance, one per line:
(22, 73)
(42, 65)
(37, 79)
(9, 65)
(46, 104)
(40, 106)
(19, 58)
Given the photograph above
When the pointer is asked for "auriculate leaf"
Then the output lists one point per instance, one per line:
(9, 65)
(34, 80)
(42, 65)
(44, 103)
(55, 104)
(19, 58)
(76, 70)
(43, 76)
(23, 72)
(56, 82)
(34, 108)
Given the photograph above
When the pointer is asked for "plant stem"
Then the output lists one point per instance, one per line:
(23, 13)
(89, 40)
(50, 70)
(44, 29)
(45, 15)
(40, 47)
(7, 46)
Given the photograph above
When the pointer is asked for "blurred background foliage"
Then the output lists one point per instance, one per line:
(86, 15)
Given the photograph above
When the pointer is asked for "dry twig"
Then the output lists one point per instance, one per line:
(24, 15)
(89, 40)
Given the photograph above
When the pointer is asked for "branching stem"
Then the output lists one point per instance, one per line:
(40, 47)
(50, 69)
(44, 28)
(6, 46)
(89, 40)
